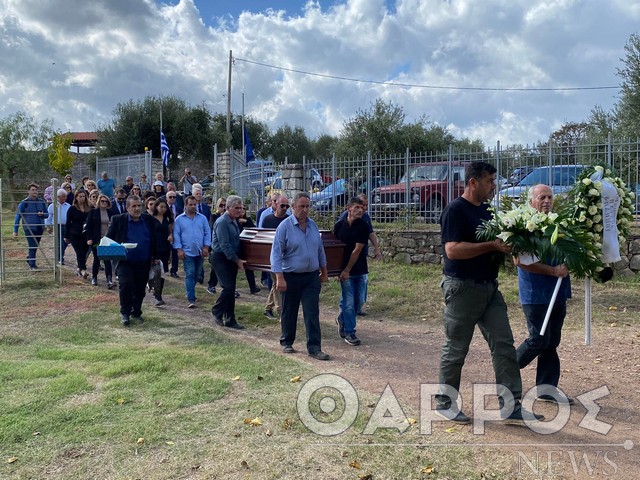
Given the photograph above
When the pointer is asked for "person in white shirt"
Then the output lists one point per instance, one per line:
(60, 227)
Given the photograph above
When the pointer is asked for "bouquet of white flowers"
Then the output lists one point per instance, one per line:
(552, 236)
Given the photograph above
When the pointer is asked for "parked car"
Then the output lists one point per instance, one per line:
(336, 194)
(559, 177)
(518, 174)
(376, 181)
(428, 186)
(314, 180)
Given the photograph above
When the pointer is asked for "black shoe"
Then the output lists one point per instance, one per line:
(519, 416)
(109, 285)
(174, 275)
(211, 290)
(319, 355)
(125, 320)
(237, 294)
(94, 281)
(235, 326)
(352, 340)
(269, 314)
(361, 314)
(138, 318)
(255, 290)
(340, 327)
(460, 418)
(563, 400)
(264, 284)
(288, 349)
(159, 302)
(201, 281)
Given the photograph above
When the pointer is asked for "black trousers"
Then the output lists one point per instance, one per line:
(132, 283)
(226, 271)
(302, 288)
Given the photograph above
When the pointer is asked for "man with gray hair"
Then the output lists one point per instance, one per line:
(300, 265)
(225, 245)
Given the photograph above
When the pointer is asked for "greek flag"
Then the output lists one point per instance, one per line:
(164, 149)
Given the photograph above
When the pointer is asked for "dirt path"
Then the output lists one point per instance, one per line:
(404, 355)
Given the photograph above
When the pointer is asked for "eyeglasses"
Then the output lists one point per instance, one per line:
(222, 205)
(171, 196)
(284, 206)
(104, 201)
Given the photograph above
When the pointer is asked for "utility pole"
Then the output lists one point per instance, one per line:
(229, 99)
(244, 149)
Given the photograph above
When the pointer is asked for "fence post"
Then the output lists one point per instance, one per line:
(333, 180)
(498, 167)
(407, 189)
(369, 178)
(2, 249)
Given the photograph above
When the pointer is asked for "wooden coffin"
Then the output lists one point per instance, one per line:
(255, 248)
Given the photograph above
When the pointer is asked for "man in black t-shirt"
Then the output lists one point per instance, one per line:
(353, 231)
(471, 296)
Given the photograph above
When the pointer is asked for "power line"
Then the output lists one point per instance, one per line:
(433, 87)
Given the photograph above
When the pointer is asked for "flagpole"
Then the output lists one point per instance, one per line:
(244, 149)
(164, 170)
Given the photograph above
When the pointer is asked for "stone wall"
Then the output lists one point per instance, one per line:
(426, 247)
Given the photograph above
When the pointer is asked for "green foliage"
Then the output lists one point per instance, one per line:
(60, 158)
(23, 144)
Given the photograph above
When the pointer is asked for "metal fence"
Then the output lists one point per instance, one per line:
(415, 187)
(118, 168)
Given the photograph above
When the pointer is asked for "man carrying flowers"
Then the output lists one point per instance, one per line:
(536, 284)
(471, 296)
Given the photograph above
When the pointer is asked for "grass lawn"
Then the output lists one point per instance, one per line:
(82, 397)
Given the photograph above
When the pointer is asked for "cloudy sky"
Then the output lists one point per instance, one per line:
(488, 69)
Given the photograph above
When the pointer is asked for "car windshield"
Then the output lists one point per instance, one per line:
(426, 172)
(565, 175)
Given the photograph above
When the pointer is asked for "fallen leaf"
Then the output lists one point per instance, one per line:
(236, 435)
(254, 422)
(121, 401)
(355, 464)
(140, 441)
(268, 433)
(295, 379)
(244, 464)
(11, 460)
(428, 470)
(286, 424)
(366, 476)
(613, 308)
(451, 430)
(236, 378)
(613, 324)
(35, 434)
(411, 421)
(170, 443)
(260, 377)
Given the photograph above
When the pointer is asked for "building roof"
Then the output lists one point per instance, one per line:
(83, 139)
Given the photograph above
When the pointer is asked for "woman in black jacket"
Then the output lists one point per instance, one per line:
(96, 227)
(76, 218)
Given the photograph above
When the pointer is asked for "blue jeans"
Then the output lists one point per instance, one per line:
(33, 234)
(363, 291)
(192, 266)
(353, 290)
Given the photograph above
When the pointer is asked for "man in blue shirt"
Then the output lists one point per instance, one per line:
(191, 239)
(300, 265)
(536, 283)
(226, 247)
(32, 211)
(106, 185)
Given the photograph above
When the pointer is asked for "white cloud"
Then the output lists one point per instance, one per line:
(73, 60)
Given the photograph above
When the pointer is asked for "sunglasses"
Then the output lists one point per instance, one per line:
(284, 206)
(222, 205)
(104, 201)
(171, 196)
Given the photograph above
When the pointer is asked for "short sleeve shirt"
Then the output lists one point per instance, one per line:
(350, 235)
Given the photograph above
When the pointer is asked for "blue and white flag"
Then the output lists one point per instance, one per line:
(248, 148)
(164, 149)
